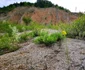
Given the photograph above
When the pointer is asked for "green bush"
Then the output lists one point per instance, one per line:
(77, 28)
(48, 39)
(4, 27)
(27, 20)
(27, 36)
(24, 37)
(9, 40)
(7, 44)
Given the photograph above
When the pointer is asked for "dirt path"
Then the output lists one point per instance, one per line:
(69, 56)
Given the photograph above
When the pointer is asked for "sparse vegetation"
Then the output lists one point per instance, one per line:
(9, 37)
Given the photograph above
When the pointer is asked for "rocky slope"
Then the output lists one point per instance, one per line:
(41, 15)
(69, 55)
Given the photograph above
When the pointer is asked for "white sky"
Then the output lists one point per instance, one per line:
(72, 5)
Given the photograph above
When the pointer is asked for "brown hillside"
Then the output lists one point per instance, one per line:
(41, 15)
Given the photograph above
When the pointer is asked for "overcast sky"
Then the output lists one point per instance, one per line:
(72, 5)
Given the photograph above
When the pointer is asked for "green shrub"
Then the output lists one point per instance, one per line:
(4, 27)
(34, 25)
(7, 44)
(48, 39)
(14, 33)
(9, 40)
(27, 20)
(78, 28)
(28, 35)
(24, 37)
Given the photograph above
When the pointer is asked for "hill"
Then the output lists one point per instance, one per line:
(35, 46)
(41, 12)
(40, 15)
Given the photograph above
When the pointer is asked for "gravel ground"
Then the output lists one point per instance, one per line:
(68, 55)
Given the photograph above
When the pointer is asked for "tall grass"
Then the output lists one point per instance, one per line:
(4, 26)
(77, 28)
(7, 44)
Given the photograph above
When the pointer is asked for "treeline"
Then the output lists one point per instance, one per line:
(12, 6)
(44, 4)
(41, 4)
